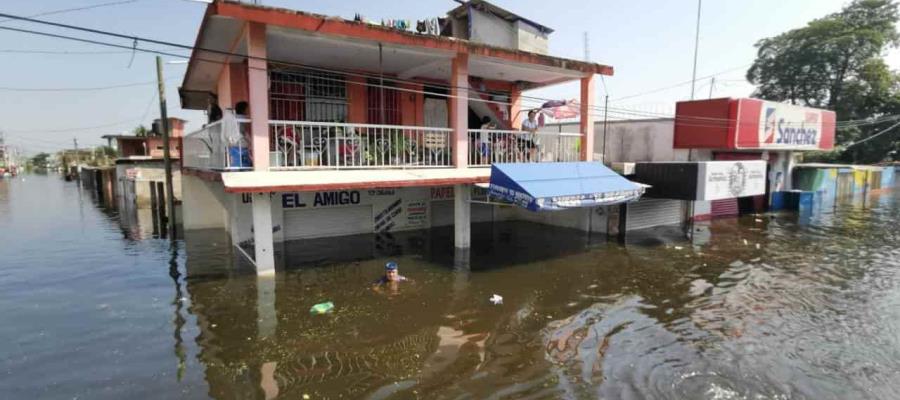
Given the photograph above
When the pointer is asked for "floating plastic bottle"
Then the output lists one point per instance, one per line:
(322, 308)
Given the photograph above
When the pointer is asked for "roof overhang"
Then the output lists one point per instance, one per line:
(303, 39)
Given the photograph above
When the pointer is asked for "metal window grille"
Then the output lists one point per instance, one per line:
(305, 95)
(383, 104)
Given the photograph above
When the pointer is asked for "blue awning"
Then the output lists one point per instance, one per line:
(558, 186)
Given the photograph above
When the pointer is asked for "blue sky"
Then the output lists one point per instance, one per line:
(649, 42)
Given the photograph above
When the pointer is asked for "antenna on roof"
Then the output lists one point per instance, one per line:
(587, 46)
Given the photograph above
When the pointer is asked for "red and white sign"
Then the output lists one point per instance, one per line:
(752, 124)
(785, 126)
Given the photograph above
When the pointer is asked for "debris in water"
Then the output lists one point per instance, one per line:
(679, 248)
(322, 308)
(496, 299)
(594, 286)
(758, 220)
(757, 246)
(745, 243)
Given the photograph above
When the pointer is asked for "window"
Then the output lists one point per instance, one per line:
(306, 95)
(383, 103)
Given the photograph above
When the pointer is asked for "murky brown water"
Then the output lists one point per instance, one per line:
(782, 306)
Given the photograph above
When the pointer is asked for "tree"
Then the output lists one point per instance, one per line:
(40, 160)
(141, 130)
(837, 63)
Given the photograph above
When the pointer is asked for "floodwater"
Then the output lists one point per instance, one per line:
(763, 307)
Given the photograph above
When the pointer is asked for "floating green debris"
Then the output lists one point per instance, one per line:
(322, 308)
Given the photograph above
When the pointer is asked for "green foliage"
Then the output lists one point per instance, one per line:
(836, 62)
(141, 130)
(40, 160)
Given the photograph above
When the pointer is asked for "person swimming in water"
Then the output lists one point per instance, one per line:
(391, 274)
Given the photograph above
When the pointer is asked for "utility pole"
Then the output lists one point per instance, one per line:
(712, 84)
(696, 45)
(605, 120)
(167, 160)
(77, 160)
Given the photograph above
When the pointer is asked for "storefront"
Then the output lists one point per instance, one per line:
(753, 129)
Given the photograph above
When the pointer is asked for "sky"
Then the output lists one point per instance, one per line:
(650, 43)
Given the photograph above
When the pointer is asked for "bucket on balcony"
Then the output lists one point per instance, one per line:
(239, 157)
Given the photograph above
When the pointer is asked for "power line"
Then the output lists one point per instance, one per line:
(84, 89)
(199, 59)
(112, 3)
(680, 84)
(886, 130)
(84, 128)
(81, 89)
(69, 52)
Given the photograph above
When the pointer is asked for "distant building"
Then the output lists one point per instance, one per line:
(139, 166)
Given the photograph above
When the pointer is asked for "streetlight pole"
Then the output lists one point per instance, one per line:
(696, 45)
(167, 159)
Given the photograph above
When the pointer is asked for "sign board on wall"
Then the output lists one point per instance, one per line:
(786, 126)
(729, 179)
(752, 124)
(392, 209)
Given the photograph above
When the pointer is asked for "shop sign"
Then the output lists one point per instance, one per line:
(785, 126)
(730, 179)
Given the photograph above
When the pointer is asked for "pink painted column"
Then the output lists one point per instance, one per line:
(223, 89)
(515, 107)
(258, 85)
(587, 119)
(459, 109)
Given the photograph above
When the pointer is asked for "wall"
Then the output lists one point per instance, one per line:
(141, 173)
(204, 204)
(492, 30)
(631, 141)
(531, 39)
(822, 181)
(155, 144)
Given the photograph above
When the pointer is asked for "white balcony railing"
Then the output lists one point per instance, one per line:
(487, 146)
(221, 145)
(224, 146)
(301, 144)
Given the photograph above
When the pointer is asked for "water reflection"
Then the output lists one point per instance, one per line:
(765, 306)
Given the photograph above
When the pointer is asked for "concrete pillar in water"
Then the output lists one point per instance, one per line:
(462, 217)
(262, 234)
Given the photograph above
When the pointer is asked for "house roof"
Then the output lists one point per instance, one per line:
(482, 5)
(343, 45)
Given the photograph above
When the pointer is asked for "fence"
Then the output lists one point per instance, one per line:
(487, 146)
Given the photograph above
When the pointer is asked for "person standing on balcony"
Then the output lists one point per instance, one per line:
(486, 139)
(529, 142)
(242, 113)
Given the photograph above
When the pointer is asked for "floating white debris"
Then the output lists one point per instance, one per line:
(679, 248)
(746, 243)
(758, 220)
(757, 246)
(496, 299)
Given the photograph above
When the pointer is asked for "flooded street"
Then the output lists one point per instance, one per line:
(781, 306)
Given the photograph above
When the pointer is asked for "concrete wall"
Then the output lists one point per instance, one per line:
(204, 204)
(631, 141)
(531, 39)
(141, 174)
(492, 30)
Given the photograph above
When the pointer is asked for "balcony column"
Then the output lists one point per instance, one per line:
(587, 119)
(258, 88)
(515, 107)
(258, 84)
(459, 109)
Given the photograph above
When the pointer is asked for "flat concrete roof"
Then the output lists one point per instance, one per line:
(319, 180)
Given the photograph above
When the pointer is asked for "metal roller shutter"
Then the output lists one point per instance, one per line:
(648, 213)
(724, 208)
(325, 222)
